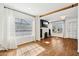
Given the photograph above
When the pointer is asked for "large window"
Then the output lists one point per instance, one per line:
(23, 27)
(57, 26)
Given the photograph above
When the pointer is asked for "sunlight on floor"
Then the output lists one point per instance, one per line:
(30, 50)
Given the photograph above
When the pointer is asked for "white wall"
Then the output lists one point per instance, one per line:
(78, 27)
(1, 25)
(37, 28)
(3, 29)
(50, 27)
(78, 46)
(10, 22)
(71, 28)
(1, 18)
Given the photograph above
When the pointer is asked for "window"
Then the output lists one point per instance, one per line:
(23, 27)
(57, 26)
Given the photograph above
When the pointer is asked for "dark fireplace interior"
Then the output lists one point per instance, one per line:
(41, 33)
(49, 32)
(45, 35)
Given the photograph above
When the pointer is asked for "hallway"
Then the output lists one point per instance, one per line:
(53, 46)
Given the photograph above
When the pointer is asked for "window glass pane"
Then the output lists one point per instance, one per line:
(57, 27)
(23, 27)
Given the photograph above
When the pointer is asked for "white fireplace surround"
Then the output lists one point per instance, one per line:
(43, 32)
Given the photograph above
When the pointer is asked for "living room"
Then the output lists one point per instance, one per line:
(39, 29)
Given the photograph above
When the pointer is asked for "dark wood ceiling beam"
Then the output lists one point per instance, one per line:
(71, 6)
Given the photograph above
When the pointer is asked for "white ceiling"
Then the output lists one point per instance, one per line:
(36, 8)
(69, 13)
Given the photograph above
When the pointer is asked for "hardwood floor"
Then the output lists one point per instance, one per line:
(53, 46)
(59, 47)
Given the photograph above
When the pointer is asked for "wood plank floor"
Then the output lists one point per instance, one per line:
(53, 46)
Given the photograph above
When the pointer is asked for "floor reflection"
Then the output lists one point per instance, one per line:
(57, 44)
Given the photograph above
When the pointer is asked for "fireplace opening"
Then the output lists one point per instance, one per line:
(45, 35)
